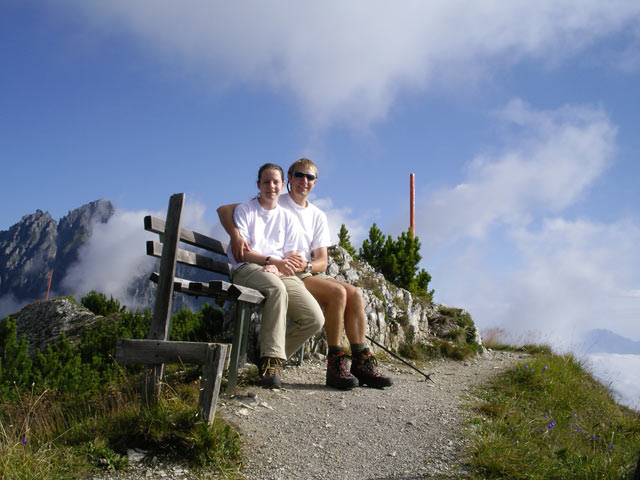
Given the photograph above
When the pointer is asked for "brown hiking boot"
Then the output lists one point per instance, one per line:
(363, 367)
(270, 370)
(337, 374)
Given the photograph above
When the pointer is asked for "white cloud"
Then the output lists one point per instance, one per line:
(114, 256)
(338, 216)
(499, 246)
(559, 155)
(347, 61)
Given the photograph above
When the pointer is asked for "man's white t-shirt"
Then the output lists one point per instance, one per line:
(269, 232)
(312, 224)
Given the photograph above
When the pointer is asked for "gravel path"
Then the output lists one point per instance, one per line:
(307, 430)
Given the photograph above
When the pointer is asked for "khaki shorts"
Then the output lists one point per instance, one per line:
(303, 275)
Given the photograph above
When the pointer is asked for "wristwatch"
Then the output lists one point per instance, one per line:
(308, 268)
(266, 260)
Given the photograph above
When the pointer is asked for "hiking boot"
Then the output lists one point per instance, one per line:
(270, 370)
(337, 374)
(363, 367)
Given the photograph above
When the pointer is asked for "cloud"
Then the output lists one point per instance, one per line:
(348, 61)
(114, 256)
(576, 275)
(338, 216)
(558, 155)
(499, 244)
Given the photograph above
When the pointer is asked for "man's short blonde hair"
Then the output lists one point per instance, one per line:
(302, 163)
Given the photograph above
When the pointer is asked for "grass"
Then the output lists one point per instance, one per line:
(50, 436)
(548, 418)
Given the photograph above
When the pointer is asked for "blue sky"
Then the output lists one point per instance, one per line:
(519, 120)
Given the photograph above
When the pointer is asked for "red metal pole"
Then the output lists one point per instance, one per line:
(412, 204)
(49, 286)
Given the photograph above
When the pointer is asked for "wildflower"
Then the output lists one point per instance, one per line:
(549, 412)
(570, 426)
(611, 447)
(24, 440)
(526, 367)
(544, 368)
(551, 425)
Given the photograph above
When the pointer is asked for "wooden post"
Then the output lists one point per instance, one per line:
(412, 204)
(211, 379)
(161, 321)
(242, 315)
(49, 286)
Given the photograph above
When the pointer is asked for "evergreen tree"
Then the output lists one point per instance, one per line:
(397, 260)
(344, 241)
(372, 248)
(15, 363)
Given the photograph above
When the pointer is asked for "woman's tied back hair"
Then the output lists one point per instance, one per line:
(269, 166)
(301, 164)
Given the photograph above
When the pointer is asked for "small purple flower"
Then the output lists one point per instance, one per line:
(551, 425)
(511, 429)
(24, 441)
(571, 426)
(526, 367)
(544, 368)
(579, 429)
(611, 447)
(549, 412)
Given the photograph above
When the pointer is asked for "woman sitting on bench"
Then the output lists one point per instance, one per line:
(269, 266)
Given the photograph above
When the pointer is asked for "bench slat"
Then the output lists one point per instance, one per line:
(237, 292)
(191, 258)
(214, 289)
(156, 225)
(152, 352)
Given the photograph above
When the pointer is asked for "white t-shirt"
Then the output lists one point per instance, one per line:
(314, 228)
(269, 232)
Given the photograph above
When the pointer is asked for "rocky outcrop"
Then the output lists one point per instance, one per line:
(394, 315)
(37, 244)
(43, 322)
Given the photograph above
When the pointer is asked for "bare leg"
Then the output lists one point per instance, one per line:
(332, 297)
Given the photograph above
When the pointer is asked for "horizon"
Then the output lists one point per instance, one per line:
(518, 120)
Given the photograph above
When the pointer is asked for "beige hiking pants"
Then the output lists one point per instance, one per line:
(285, 296)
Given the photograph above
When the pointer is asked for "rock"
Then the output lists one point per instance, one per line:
(43, 322)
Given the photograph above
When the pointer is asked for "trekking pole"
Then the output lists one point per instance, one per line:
(427, 376)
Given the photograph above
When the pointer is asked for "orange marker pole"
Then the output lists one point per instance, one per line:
(49, 286)
(412, 204)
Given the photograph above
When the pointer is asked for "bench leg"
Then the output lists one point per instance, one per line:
(211, 378)
(236, 347)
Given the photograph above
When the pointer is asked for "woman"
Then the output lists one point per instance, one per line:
(268, 232)
(342, 302)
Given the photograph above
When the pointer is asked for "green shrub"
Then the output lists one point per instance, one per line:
(98, 304)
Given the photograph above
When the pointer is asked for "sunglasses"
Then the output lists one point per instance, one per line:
(310, 176)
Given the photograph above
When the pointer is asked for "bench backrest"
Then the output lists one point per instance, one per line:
(186, 257)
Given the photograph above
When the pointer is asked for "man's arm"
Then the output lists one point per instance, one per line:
(238, 244)
(318, 264)
(320, 260)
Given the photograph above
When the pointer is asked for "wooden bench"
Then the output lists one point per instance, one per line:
(158, 349)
